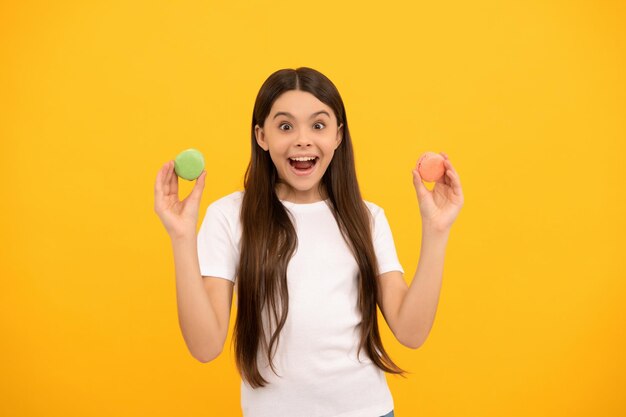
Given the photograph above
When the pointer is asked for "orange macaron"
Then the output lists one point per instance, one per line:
(430, 166)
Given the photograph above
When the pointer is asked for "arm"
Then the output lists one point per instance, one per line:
(416, 314)
(197, 297)
(439, 209)
(196, 316)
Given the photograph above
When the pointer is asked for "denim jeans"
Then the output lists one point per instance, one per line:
(389, 414)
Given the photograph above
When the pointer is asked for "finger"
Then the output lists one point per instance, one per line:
(173, 180)
(455, 180)
(444, 177)
(449, 175)
(448, 165)
(445, 155)
(158, 187)
(455, 174)
(168, 177)
(199, 186)
(419, 185)
(457, 183)
(456, 186)
(449, 168)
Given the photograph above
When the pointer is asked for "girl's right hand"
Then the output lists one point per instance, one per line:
(179, 217)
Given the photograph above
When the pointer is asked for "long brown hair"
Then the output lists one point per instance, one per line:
(269, 239)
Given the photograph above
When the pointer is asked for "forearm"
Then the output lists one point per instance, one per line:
(417, 311)
(196, 317)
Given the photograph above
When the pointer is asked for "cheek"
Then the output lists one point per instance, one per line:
(330, 152)
(278, 160)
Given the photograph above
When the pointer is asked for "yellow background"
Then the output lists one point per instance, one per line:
(528, 98)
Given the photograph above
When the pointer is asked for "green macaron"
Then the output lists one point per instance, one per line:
(189, 164)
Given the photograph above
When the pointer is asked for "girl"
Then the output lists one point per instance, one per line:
(308, 258)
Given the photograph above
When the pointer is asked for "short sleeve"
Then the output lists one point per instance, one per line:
(383, 244)
(218, 253)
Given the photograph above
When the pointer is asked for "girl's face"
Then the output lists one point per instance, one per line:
(299, 126)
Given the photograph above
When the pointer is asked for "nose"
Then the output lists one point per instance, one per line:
(303, 140)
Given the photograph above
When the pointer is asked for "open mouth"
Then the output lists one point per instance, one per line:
(303, 166)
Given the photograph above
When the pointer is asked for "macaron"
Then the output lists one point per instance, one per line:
(430, 166)
(189, 164)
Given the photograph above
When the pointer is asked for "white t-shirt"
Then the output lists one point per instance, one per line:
(320, 375)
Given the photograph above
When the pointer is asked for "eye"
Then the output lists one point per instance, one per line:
(320, 123)
(283, 124)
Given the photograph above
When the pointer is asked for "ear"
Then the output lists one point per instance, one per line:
(339, 135)
(260, 137)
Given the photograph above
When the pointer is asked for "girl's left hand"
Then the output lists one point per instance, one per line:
(440, 207)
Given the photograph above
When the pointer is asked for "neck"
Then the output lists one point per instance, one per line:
(286, 194)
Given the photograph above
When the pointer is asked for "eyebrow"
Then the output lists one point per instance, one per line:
(291, 115)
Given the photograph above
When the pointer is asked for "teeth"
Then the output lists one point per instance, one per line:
(304, 158)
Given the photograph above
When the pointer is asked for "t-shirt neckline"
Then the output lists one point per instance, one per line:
(305, 206)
